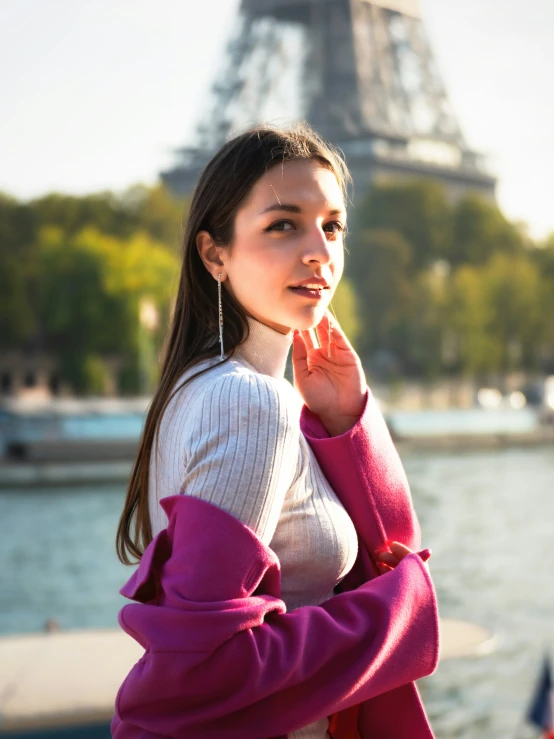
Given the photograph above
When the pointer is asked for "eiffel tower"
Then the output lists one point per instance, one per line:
(361, 72)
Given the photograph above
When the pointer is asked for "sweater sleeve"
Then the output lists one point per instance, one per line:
(243, 444)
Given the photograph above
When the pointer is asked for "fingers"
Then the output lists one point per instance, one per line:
(323, 330)
(338, 337)
(328, 327)
(299, 347)
(389, 559)
(425, 554)
(308, 339)
(399, 550)
(299, 356)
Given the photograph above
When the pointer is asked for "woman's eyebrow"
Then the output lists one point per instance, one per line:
(283, 206)
(289, 208)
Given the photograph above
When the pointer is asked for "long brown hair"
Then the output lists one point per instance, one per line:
(222, 187)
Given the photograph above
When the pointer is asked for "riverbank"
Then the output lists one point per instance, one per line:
(22, 475)
(543, 436)
(100, 448)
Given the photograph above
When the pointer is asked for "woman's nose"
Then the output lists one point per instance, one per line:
(317, 246)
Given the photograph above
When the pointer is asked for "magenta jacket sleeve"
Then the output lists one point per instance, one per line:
(366, 472)
(223, 658)
(364, 469)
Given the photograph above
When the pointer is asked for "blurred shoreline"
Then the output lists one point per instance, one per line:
(43, 450)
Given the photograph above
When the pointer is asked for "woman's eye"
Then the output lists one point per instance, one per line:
(281, 226)
(334, 227)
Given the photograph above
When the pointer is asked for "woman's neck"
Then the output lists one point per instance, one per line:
(265, 349)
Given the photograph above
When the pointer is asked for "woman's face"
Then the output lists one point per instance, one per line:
(289, 229)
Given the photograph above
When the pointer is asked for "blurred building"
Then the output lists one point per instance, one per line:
(361, 72)
(38, 377)
(32, 376)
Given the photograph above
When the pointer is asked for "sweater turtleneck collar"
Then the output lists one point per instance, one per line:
(265, 349)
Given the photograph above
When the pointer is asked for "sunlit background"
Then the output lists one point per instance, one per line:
(109, 109)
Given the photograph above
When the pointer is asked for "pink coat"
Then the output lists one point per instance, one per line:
(223, 657)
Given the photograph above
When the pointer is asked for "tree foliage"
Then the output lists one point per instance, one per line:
(430, 286)
(89, 292)
(417, 210)
(345, 305)
(73, 271)
(380, 265)
(450, 287)
(479, 230)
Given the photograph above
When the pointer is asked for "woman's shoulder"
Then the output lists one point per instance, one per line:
(234, 385)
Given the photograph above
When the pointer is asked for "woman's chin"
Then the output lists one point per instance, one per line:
(308, 321)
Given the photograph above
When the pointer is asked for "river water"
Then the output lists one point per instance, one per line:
(488, 517)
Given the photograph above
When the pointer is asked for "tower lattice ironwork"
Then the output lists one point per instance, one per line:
(362, 73)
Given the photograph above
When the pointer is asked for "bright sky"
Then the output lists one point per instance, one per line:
(95, 95)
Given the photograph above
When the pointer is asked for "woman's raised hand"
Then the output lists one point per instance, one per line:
(387, 560)
(333, 387)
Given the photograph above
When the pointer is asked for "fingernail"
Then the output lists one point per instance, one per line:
(425, 554)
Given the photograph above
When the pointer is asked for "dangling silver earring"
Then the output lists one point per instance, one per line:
(220, 314)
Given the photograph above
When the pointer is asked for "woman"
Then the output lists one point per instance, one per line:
(278, 592)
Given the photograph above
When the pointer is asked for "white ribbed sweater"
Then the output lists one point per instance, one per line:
(232, 437)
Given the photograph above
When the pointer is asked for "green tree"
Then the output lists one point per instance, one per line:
(418, 210)
(479, 230)
(17, 227)
(73, 270)
(543, 256)
(424, 331)
(157, 212)
(72, 213)
(153, 210)
(95, 376)
(345, 305)
(77, 317)
(379, 265)
(513, 287)
(496, 312)
(17, 320)
(470, 318)
(89, 298)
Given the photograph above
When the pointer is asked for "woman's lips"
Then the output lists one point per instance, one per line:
(308, 293)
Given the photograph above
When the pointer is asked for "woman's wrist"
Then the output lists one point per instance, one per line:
(339, 425)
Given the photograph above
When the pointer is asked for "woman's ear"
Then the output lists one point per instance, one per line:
(210, 254)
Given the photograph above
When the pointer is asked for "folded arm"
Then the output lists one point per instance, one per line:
(239, 664)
